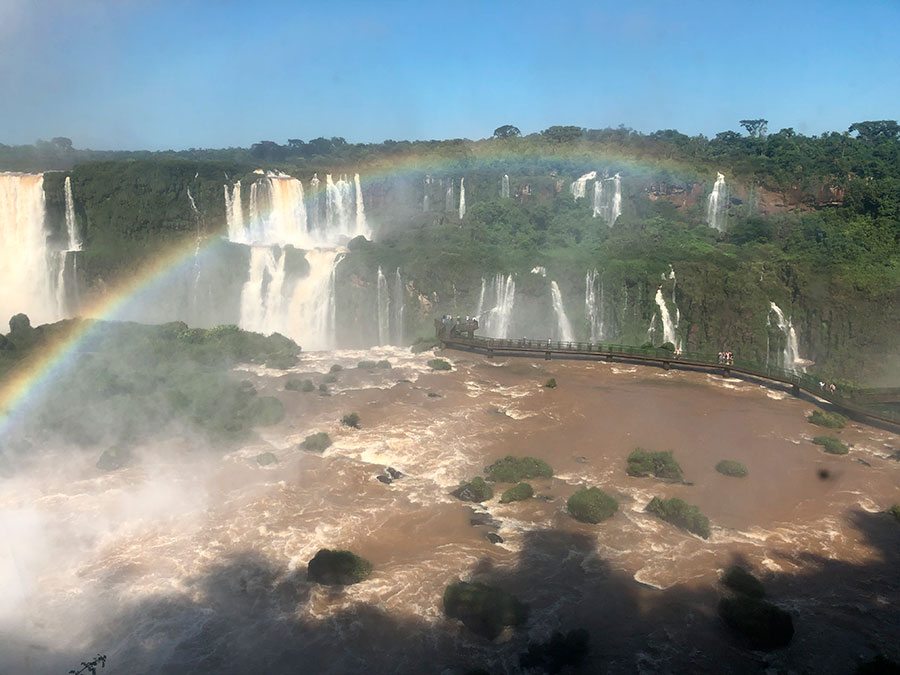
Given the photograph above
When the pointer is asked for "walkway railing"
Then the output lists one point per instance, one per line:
(798, 380)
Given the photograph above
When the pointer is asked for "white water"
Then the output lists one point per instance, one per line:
(361, 226)
(384, 309)
(399, 308)
(563, 325)
(312, 308)
(607, 204)
(234, 214)
(448, 197)
(29, 273)
(496, 321)
(592, 310)
(504, 187)
(462, 198)
(579, 186)
(598, 198)
(716, 204)
(616, 209)
(669, 326)
(74, 241)
(791, 352)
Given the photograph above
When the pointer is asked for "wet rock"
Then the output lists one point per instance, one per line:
(494, 538)
(266, 458)
(475, 490)
(387, 480)
(114, 458)
(479, 519)
(862, 461)
(338, 568)
(581, 460)
(434, 394)
(393, 473)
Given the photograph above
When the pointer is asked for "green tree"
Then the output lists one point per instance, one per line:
(875, 130)
(755, 128)
(507, 131)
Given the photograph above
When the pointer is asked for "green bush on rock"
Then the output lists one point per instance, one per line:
(681, 514)
(367, 365)
(517, 493)
(329, 379)
(895, 511)
(298, 385)
(338, 568)
(266, 458)
(591, 505)
(513, 469)
(740, 580)
(475, 490)
(423, 344)
(642, 463)
(317, 442)
(551, 383)
(439, 364)
(729, 467)
(484, 610)
(831, 445)
(761, 623)
(351, 420)
(335, 368)
(384, 363)
(832, 420)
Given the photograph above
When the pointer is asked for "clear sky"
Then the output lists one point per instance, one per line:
(133, 74)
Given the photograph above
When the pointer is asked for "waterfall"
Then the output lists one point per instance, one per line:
(337, 208)
(497, 319)
(480, 309)
(425, 183)
(607, 204)
(234, 214)
(74, 242)
(504, 187)
(313, 310)
(616, 209)
(448, 198)
(791, 353)
(399, 308)
(563, 326)
(668, 325)
(361, 227)
(29, 273)
(314, 209)
(598, 198)
(578, 187)
(717, 203)
(462, 198)
(384, 309)
(592, 310)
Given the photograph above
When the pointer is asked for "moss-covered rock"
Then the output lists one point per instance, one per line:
(317, 442)
(351, 420)
(681, 514)
(329, 379)
(384, 363)
(831, 445)
(367, 365)
(439, 364)
(484, 610)
(266, 458)
(517, 493)
(475, 490)
(642, 463)
(281, 361)
(832, 420)
(298, 385)
(423, 344)
(335, 368)
(740, 580)
(895, 511)
(513, 469)
(591, 505)
(338, 568)
(550, 384)
(729, 467)
(760, 623)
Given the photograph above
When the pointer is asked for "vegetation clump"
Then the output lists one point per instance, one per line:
(729, 467)
(740, 580)
(642, 463)
(439, 364)
(513, 469)
(335, 368)
(367, 365)
(762, 624)
(831, 445)
(591, 505)
(351, 420)
(832, 420)
(423, 344)
(266, 458)
(475, 490)
(484, 610)
(551, 383)
(317, 442)
(384, 363)
(895, 511)
(681, 514)
(299, 385)
(338, 568)
(517, 493)
(329, 379)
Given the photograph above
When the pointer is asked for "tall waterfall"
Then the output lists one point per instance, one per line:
(597, 205)
(74, 241)
(504, 187)
(495, 322)
(384, 309)
(314, 205)
(616, 209)
(234, 214)
(791, 352)
(361, 226)
(29, 273)
(607, 203)
(448, 197)
(425, 185)
(563, 325)
(665, 317)
(462, 198)
(592, 310)
(717, 203)
(578, 188)
(399, 308)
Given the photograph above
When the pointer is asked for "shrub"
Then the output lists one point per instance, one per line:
(483, 609)
(338, 568)
(329, 378)
(643, 463)
(831, 420)
(281, 361)
(591, 505)
(517, 493)
(423, 344)
(551, 383)
(831, 445)
(351, 420)
(729, 467)
(476, 490)
(439, 364)
(895, 511)
(761, 623)
(323, 389)
(512, 469)
(317, 442)
(668, 346)
(295, 385)
(681, 514)
(307, 386)
(384, 363)
(266, 458)
(740, 580)
(367, 365)
(336, 368)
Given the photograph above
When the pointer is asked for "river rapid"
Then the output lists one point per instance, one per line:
(194, 561)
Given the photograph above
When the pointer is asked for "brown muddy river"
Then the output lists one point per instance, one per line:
(195, 562)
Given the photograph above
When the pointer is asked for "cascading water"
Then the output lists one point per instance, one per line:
(607, 203)
(29, 272)
(578, 187)
(448, 197)
(597, 205)
(234, 214)
(616, 209)
(425, 204)
(361, 226)
(669, 334)
(462, 198)
(717, 203)
(563, 325)
(592, 310)
(504, 187)
(74, 241)
(399, 305)
(384, 308)
(479, 310)
(313, 203)
(497, 320)
(791, 352)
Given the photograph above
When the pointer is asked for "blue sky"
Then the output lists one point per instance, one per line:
(132, 74)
